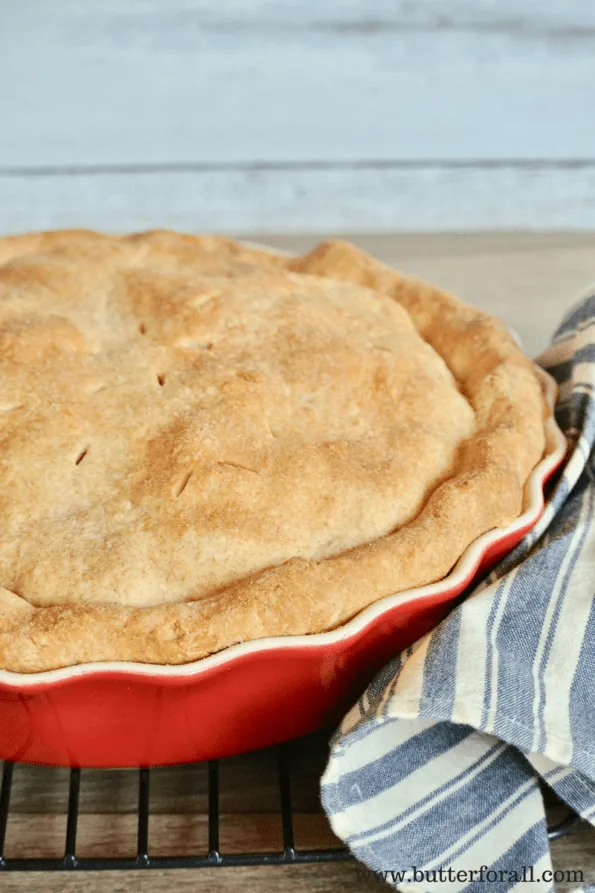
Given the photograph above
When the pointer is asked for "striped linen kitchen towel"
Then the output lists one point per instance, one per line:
(437, 765)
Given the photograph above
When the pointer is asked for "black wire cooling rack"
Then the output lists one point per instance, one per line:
(213, 857)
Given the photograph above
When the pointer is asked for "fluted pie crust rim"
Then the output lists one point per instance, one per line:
(302, 597)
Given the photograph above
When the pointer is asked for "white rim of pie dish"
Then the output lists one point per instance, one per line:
(462, 573)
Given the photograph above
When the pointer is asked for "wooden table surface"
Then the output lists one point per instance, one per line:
(529, 281)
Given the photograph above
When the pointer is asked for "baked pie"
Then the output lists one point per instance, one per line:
(204, 443)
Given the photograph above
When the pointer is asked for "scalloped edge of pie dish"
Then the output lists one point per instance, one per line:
(460, 576)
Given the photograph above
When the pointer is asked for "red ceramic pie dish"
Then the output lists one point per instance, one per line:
(248, 696)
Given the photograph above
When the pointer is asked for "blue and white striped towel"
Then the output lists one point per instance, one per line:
(437, 764)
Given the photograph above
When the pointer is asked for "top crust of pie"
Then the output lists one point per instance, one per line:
(204, 443)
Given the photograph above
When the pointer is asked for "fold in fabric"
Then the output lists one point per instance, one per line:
(437, 765)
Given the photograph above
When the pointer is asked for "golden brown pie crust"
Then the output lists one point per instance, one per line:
(204, 443)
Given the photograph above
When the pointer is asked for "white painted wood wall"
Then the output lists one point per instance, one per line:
(289, 115)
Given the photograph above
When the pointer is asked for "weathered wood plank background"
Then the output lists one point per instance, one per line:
(349, 115)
